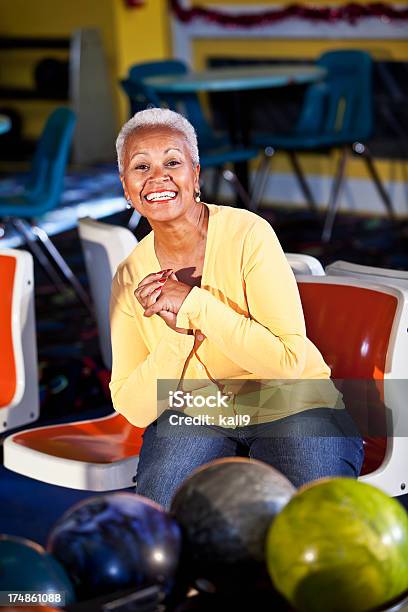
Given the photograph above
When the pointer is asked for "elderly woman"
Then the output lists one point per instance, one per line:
(208, 296)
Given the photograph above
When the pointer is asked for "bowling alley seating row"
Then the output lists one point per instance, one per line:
(359, 326)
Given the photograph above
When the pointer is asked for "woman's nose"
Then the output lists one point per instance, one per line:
(158, 172)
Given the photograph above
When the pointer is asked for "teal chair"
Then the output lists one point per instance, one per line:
(216, 150)
(336, 113)
(42, 193)
(139, 94)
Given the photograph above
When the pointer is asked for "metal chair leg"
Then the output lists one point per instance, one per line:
(215, 184)
(24, 229)
(361, 149)
(232, 178)
(334, 196)
(302, 181)
(261, 178)
(63, 267)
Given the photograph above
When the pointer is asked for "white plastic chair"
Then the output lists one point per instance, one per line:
(304, 264)
(360, 327)
(19, 402)
(373, 274)
(98, 454)
(104, 247)
(94, 455)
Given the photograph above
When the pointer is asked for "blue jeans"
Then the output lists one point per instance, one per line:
(308, 445)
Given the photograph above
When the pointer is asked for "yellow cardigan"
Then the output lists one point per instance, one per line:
(249, 310)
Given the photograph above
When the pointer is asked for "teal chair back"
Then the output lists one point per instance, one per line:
(42, 191)
(339, 110)
(141, 96)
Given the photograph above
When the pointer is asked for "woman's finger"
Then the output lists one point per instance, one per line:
(160, 304)
(151, 299)
(153, 276)
(144, 291)
(149, 278)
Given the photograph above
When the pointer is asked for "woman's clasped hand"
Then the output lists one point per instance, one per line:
(163, 294)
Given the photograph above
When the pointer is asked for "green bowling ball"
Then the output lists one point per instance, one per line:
(339, 545)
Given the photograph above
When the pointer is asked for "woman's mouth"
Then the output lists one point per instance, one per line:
(161, 196)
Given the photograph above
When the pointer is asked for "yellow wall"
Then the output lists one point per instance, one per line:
(307, 49)
(279, 2)
(282, 48)
(141, 34)
(46, 18)
(129, 35)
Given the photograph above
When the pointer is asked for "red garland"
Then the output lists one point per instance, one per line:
(350, 12)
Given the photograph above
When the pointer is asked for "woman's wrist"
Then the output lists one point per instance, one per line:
(182, 330)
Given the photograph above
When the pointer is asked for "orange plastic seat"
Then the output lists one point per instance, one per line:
(360, 328)
(96, 441)
(96, 455)
(19, 402)
(8, 374)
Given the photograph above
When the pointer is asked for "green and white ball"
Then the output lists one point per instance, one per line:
(339, 545)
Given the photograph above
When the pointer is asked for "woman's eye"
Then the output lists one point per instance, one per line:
(173, 162)
(141, 167)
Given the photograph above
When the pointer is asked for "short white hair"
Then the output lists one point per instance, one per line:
(157, 117)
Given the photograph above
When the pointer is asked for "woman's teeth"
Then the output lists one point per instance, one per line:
(160, 196)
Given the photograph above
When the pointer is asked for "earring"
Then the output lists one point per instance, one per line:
(197, 196)
(129, 204)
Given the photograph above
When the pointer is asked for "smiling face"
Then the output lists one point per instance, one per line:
(158, 174)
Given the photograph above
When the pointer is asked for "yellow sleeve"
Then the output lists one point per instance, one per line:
(271, 342)
(135, 370)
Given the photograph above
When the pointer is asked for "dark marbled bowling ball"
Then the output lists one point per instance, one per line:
(224, 509)
(117, 541)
